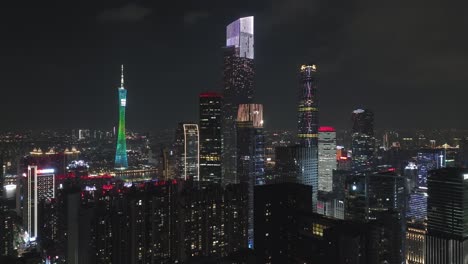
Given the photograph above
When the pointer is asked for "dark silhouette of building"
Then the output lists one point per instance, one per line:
(277, 208)
(153, 222)
(286, 231)
(363, 140)
(447, 215)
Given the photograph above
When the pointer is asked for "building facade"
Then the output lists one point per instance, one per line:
(210, 137)
(188, 149)
(307, 151)
(447, 215)
(40, 187)
(363, 140)
(238, 88)
(327, 158)
(250, 154)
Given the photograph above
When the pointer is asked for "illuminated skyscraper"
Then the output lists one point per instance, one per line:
(210, 137)
(307, 152)
(238, 88)
(308, 107)
(121, 161)
(327, 158)
(188, 149)
(40, 186)
(363, 140)
(250, 154)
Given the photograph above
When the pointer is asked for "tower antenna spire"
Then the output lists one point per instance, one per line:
(122, 78)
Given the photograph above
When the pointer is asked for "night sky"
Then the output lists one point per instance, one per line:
(60, 60)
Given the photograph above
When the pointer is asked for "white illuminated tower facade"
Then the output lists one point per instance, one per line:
(240, 34)
(238, 88)
(40, 187)
(326, 157)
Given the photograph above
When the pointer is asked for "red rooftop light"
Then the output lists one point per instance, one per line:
(326, 129)
(210, 94)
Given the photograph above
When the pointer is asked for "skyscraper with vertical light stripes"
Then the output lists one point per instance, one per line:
(121, 162)
(307, 151)
(308, 108)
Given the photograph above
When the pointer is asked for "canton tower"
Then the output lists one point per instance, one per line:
(121, 162)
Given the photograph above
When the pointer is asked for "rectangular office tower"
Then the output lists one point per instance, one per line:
(363, 140)
(188, 149)
(447, 216)
(327, 158)
(40, 186)
(250, 154)
(210, 136)
(238, 88)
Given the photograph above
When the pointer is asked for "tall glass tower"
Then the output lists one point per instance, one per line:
(308, 107)
(210, 137)
(250, 155)
(121, 162)
(307, 151)
(238, 88)
(363, 140)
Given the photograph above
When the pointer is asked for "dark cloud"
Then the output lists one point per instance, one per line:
(128, 13)
(192, 17)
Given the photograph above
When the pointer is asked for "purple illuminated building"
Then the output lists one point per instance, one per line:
(308, 107)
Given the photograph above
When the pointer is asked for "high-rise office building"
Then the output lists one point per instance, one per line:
(40, 186)
(210, 136)
(416, 174)
(7, 232)
(121, 161)
(250, 154)
(415, 243)
(380, 197)
(188, 149)
(307, 151)
(363, 121)
(238, 88)
(363, 140)
(368, 194)
(286, 168)
(447, 216)
(168, 163)
(327, 158)
(427, 160)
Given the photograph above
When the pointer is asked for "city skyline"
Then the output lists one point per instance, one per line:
(254, 132)
(352, 65)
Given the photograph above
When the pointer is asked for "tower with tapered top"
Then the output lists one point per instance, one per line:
(121, 162)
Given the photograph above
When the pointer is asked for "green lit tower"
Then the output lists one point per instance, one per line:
(121, 162)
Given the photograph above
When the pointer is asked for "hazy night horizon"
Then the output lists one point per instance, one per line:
(62, 64)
